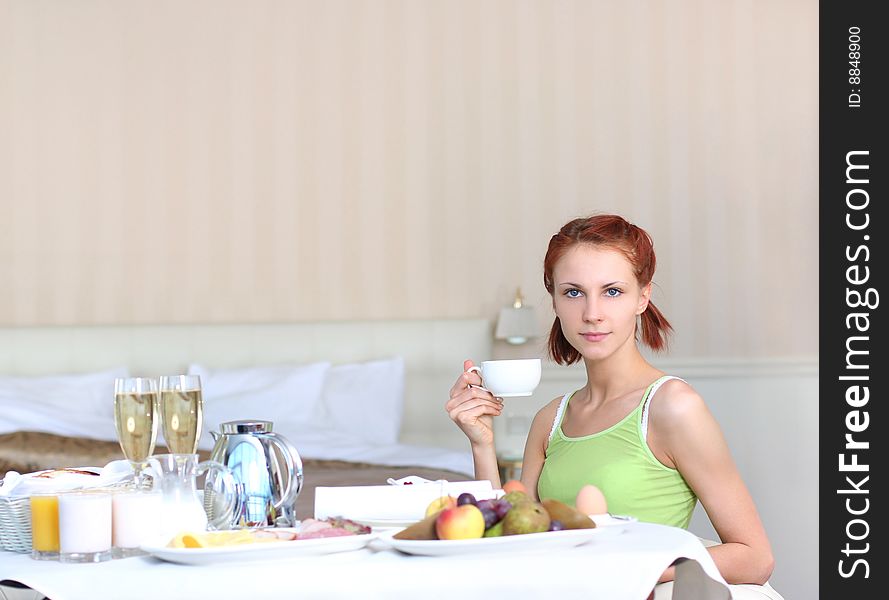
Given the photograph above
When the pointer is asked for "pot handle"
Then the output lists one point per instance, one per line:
(294, 467)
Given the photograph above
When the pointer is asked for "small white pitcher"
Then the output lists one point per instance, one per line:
(182, 508)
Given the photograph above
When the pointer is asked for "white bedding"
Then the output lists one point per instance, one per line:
(392, 379)
(21, 417)
(28, 404)
(330, 445)
(317, 443)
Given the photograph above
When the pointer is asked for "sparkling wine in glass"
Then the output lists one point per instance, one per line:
(182, 406)
(135, 417)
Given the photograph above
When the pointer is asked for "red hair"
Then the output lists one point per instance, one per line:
(614, 232)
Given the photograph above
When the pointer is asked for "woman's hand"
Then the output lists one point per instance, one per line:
(473, 409)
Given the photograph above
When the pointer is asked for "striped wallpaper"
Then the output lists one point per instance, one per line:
(231, 161)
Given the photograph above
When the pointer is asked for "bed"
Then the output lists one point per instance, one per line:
(362, 401)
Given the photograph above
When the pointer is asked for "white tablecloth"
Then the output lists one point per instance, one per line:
(620, 567)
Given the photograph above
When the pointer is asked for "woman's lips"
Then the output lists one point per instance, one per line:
(594, 337)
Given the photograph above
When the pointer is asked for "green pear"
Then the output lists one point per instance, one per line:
(517, 497)
(570, 517)
(526, 517)
(421, 530)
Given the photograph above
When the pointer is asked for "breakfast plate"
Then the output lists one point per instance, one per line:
(258, 550)
(609, 520)
(385, 523)
(529, 542)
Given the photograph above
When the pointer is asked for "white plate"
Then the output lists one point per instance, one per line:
(260, 550)
(533, 542)
(609, 520)
(384, 523)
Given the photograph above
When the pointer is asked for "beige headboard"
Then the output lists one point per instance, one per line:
(433, 351)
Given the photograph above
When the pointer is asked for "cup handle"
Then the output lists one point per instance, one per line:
(230, 491)
(478, 370)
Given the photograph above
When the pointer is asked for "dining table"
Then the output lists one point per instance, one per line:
(621, 564)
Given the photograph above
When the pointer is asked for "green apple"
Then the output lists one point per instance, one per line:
(439, 504)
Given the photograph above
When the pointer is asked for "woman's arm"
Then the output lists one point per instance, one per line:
(684, 434)
(473, 410)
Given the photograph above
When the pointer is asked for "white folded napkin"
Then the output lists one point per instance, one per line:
(413, 479)
(39, 481)
(398, 502)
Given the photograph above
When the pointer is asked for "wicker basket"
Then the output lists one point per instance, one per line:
(15, 523)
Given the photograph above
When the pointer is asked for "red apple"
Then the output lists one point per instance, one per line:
(463, 522)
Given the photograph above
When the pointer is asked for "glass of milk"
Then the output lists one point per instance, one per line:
(84, 527)
(136, 515)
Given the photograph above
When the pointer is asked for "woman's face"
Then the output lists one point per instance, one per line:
(597, 299)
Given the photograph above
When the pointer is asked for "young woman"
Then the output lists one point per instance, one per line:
(647, 440)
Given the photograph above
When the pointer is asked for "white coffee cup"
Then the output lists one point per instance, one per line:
(509, 378)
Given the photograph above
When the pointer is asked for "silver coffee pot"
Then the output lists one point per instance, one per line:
(267, 470)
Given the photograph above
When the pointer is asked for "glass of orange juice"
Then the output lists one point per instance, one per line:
(45, 526)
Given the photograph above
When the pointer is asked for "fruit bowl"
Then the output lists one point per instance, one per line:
(529, 542)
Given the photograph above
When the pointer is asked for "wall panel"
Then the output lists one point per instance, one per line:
(279, 161)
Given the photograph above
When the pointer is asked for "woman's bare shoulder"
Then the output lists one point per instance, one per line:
(676, 402)
(680, 422)
(543, 419)
(541, 426)
(552, 406)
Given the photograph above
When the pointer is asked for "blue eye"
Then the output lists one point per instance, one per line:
(573, 293)
(613, 292)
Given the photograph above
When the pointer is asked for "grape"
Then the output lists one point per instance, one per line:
(490, 516)
(481, 504)
(501, 507)
(465, 498)
(556, 525)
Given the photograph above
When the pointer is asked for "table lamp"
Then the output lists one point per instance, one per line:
(516, 323)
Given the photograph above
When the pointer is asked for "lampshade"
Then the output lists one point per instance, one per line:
(516, 323)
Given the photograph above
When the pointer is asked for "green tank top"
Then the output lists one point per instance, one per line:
(619, 462)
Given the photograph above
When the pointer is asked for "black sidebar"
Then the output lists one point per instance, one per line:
(853, 371)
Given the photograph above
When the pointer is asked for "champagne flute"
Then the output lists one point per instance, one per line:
(135, 418)
(182, 408)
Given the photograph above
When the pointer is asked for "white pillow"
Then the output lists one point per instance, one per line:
(80, 404)
(91, 392)
(366, 399)
(289, 396)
